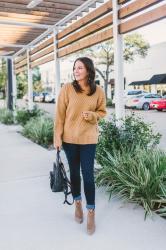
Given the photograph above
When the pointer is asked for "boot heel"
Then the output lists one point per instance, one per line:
(91, 227)
(78, 212)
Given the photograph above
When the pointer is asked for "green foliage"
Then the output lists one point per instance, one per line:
(134, 131)
(37, 85)
(40, 130)
(24, 115)
(22, 84)
(131, 166)
(3, 76)
(135, 45)
(6, 116)
(137, 175)
(36, 75)
(109, 103)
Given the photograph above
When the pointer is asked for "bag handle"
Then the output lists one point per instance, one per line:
(58, 155)
(67, 182)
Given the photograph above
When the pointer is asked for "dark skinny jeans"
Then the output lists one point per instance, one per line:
(81, 155)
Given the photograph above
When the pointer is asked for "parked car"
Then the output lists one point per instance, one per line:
(136, 92)
(44, 94)
(25, 97)
(50, 98)
(131, 93)
(142, 101)
(159, 105)
(38, 97)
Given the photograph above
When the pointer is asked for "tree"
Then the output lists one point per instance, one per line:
(3, 76)
(22, 82)
(22, 85)
(103, 54)
(37, 85)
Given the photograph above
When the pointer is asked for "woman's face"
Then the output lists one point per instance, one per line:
(79, 71)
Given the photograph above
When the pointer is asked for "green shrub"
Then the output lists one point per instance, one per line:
(134, 131)
(6, 116)
(109, 103)
(39, 130)
(137, 175)
(24, 115)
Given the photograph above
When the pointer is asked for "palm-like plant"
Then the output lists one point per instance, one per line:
(136, 175)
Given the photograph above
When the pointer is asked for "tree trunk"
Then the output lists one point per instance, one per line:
(106, 89)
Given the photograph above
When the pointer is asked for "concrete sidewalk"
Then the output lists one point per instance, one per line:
(34, 218)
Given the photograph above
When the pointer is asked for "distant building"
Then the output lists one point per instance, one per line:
(148, 73)
(140, 71)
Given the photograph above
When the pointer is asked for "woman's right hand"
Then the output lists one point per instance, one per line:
(58, 144)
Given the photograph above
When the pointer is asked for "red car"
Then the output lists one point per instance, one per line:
(159, 105)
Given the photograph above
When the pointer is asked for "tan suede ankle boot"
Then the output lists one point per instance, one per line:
(78, 211)
(91, 221)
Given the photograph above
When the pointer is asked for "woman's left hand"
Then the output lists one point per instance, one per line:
(85, 115)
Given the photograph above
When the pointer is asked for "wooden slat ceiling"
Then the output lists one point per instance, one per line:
(48, 12)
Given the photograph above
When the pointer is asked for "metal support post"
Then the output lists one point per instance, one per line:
(57, 66)
(30, 83)
(118, 67)
(14, 87)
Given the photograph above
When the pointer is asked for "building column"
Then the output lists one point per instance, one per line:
(9, 84)
(57, 65)
(118, 67)
(30, 83)
(154, 88)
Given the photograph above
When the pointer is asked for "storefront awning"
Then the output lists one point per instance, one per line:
(155, 79)
(158, 79)
(138, 83)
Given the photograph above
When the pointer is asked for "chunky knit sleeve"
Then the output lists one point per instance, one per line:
(100, 111)
(60, 113)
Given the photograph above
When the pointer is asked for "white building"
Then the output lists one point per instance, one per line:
(143, 69)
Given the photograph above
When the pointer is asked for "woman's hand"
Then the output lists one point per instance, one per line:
(85, 115)
(58, 144)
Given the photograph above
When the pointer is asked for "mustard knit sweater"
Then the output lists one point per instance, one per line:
(69, 124)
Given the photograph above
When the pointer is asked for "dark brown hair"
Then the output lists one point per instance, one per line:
(88, 63)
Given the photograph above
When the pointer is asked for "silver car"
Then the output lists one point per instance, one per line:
(142, 101)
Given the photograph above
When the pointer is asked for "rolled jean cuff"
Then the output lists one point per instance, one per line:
(90, 206)
(77, 198)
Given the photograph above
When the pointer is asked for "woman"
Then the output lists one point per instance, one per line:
(80, 106)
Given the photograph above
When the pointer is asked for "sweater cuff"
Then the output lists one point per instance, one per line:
(92, 117)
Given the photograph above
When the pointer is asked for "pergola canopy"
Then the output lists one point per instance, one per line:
(44, 33)
(26, 23)
(20, 25)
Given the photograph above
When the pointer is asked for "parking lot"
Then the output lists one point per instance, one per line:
(152, 116)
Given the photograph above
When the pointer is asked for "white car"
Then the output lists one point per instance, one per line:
(131, 93)
(50, 98)
(142, 101)
(38, 97)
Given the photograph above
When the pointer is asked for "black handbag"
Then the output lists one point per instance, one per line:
(59, 181)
